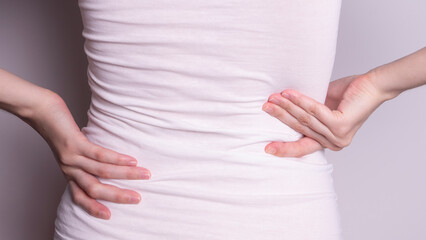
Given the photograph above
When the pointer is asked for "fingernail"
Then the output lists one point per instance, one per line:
(103, 215)
(134, 199)
(267, 108)
(271, 150)
(144, 174)
(274, 100)
(132, 162)
(126, 158)
(286, 95)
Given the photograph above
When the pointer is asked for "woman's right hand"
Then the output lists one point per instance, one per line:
(82, 161)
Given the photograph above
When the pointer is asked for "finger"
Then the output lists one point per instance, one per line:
(90, 205)
(311, 106)
(106, 155)
(97, 190)
(285, 117)
(299, 148)
(302, 116)
(106, 170)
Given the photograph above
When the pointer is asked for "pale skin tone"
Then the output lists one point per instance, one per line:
(79, 159)
(349, 103)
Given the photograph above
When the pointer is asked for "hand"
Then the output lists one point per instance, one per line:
(81, 161)
(349, 102)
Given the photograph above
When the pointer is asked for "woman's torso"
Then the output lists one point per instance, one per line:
(179, 85)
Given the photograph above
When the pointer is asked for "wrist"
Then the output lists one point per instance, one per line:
(375, 77)
(31, 112)
(52, 119)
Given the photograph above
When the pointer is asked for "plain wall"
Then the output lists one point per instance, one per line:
(379, 178)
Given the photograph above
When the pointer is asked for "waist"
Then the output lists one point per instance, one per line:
(193, 124)
(224, 163)
(228, 140)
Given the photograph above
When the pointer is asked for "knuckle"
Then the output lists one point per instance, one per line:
(335, 148)
(71, 145)
(276, 112)
(340, 145)
(347, 142)
(298, 127)
(92, 211)
(93, 190)
(131, 173)
(279, 113)
(313, 109)
(99, 153)
(66, 171)
(300, 151)
(339, 148)
(343, 142)
(121, 197)
(77, 198)
(340, 130)
(104, 172)
(285, 104)
(305, 119)
(67, 159)
(281, 152)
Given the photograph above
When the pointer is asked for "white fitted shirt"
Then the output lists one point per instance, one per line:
(179, 85)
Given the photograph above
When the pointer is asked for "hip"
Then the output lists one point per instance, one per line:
(201, 192)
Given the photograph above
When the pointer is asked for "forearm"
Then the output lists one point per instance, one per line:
(21, 97)
(41, 108)
(402, 74)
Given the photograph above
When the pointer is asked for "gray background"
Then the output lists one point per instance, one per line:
(379, 178)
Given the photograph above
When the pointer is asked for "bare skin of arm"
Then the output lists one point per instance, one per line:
(349, 102)
(79, 159)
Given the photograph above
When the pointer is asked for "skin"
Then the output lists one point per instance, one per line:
(348, 104)
(80, 160)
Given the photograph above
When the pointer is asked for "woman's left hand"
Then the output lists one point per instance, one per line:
(349, 102)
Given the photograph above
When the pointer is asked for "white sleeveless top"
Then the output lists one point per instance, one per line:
(179, 85)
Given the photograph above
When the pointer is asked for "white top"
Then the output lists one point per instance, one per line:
(179, 85)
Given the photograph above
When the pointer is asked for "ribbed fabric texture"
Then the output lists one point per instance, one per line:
(179, 85)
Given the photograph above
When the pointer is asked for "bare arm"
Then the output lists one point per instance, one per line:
(350, 101)
(400, 75)
(21, 97)
(79, 159)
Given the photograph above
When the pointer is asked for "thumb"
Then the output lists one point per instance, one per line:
(335, 91)
(358, 100)
(298, 148)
